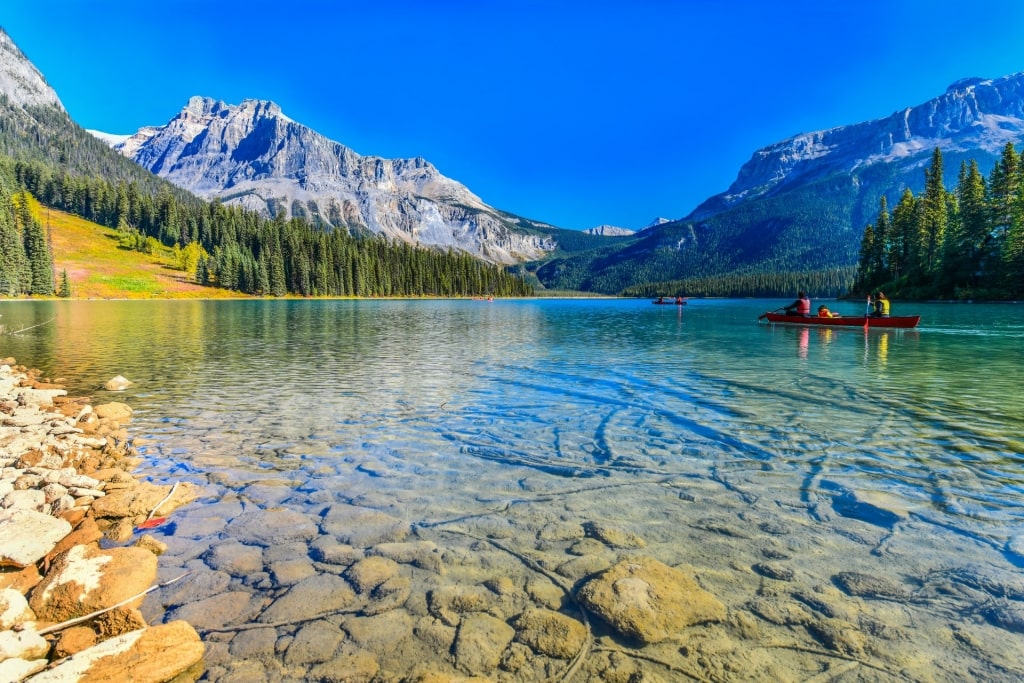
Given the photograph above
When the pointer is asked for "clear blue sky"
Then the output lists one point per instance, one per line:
(574, 113)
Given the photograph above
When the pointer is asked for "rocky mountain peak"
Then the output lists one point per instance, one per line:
(253, 155)
(973, 114)
(20, 80)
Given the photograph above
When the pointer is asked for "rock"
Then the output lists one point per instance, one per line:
(389, 595)
(152, 655)
(14, 609)
(140, 500)
(152, 544)
(290, 572)
(447, 603)
(363, 527)
(328, 550)
(20, 669)
(422, 554)
(611, 536)
(773, 570)
(73, 640)
(216, 611)
(647, 600)
(85, 579)
(119, 620)
(869, 586)
(25, 499)
(237, 559)
(27, 644)
(27, 536)
(320, 594)
(314, 643)
(357, 666)
(21, 580)
(365, 575)
(479, 643)
(117, 383)
(275, 527)
(255, 643)
(550, 633)
(1008, 615)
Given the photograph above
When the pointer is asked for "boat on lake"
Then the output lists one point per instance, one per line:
(904, 322)
(669, 302)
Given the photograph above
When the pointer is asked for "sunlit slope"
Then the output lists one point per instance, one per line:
(98, 268)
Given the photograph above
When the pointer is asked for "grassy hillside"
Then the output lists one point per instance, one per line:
(98, 268)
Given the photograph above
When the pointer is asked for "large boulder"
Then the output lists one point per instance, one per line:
(139, 501)
(26, 536)
(152, 655)
(644, 599)
(85, 579)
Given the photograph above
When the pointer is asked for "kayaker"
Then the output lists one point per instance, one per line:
(881, 306)
(802, 305)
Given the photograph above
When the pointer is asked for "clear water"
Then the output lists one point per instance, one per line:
(764, 460)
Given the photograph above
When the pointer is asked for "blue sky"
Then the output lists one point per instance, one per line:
(573, 113)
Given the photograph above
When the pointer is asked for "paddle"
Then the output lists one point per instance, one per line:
(765, 315)
(867, 313)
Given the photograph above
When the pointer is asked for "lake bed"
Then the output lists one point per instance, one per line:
(853, 500)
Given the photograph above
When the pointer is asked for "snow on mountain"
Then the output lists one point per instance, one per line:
(109, 138)
(253, 155)
(20, 81)
(973, 114)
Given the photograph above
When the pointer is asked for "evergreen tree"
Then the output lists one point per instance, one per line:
(65, 285)
(934, 216)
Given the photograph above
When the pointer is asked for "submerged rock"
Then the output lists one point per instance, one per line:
(647, 600)
(550, 633)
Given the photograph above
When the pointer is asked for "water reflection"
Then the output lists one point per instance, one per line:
(571, 434)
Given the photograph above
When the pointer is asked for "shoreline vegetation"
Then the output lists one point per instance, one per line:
(75, 559)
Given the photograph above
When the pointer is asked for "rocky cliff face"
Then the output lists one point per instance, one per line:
(20, 81)
(253, 155)
(973, 115)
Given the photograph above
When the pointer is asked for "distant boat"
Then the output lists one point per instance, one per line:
(670, 302)
(897, 321)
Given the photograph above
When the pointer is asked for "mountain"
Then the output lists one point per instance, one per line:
(21, 83)
(609, 231)
(253, 155)
(35, 127)
(801, 204)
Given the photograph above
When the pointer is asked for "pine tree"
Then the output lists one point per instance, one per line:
(65, 285)
(934, 216)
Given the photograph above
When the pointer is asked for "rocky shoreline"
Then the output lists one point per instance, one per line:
(75, 561)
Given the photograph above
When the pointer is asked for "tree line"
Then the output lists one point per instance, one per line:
(967, 243)
(826, 282)
(232, 248)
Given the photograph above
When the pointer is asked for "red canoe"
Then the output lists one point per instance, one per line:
(898, 321)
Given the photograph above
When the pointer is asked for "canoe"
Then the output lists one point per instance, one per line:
(669, 303)
(904, 322)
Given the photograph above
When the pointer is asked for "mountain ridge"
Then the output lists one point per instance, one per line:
(253, 155)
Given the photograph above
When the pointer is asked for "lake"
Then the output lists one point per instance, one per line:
(854, 500)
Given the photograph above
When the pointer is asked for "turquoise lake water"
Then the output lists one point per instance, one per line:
(765, 460)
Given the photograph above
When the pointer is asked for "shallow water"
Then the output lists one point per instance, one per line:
(778, 465)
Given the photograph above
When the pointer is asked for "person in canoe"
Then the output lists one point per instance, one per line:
(823, 312)
(881, 304)
(679, 301)
(802, 305)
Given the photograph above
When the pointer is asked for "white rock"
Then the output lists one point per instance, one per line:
(118, 383)
(20, 669)
(26, 499)
(26, 536)
(14, 609)
(25, 644)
